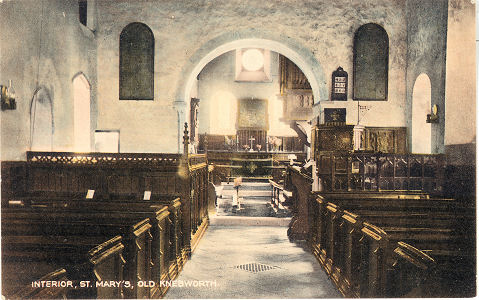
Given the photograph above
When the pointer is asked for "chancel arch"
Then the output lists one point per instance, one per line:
(81, 113)
(293, 50)
(41, 121)
(421, 106)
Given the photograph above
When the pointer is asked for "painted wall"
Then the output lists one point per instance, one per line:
(219, 94)
(182, 29)
(427, 25)
(460, 131)
(43, 44)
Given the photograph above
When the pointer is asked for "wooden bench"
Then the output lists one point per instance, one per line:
(84, 258)
(144, 262)
(43, 288)
(175, 251)
(349, 246)
(163, 268)
(70, 234)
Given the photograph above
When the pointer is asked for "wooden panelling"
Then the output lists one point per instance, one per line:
(386, 139)
(375, 139)
(13, 179)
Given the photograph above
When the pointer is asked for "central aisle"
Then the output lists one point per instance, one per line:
(251, 262)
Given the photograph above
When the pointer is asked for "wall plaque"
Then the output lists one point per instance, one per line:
(335, 115)
(339, 85)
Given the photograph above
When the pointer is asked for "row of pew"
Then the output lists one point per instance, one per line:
(387, 243)
(91, 249)
(390, 245)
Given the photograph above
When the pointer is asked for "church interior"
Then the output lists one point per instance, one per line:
(326, 145)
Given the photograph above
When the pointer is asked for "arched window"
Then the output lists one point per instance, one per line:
(371, 56)
(137, 46)
(81, 114)
(421, 106)
(41, 121)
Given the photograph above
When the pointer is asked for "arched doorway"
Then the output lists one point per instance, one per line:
(81, 114)
(41, 121)
(421, 106)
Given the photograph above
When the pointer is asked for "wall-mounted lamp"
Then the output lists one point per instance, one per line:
(433, 117)
(7, 96)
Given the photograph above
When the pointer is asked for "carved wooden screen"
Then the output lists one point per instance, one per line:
(371, 55)
(137, 46)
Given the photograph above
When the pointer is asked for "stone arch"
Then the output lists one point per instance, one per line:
(421, 134)
(81, 113)
(41, 120)
(250, 38)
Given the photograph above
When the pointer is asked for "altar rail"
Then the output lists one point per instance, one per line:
(346, 171)
(258, 165)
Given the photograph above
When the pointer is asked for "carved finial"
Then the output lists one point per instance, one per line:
(206, 142)
(186, 139)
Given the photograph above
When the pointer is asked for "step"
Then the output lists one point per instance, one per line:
(242, 193)
(250, 221)
(248, 186)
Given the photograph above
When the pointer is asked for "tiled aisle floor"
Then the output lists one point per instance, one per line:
(295, 272)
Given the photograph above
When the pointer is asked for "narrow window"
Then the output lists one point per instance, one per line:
(82, 10)
(136, 62)
(371, 56)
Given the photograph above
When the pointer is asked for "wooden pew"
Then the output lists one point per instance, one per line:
(137, 240)
(83, 258)
(46, 291)
(139, 267)
(336, 236)
(175, 251)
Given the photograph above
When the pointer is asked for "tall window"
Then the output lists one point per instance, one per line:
(81, 114)
(421, 106)
(82, 11)
(137, 46)
(41, 121)
(371, 56)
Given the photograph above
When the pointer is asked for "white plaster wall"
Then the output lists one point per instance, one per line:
(66, 49)
(218, 77)
(460, 74)
(181, 28)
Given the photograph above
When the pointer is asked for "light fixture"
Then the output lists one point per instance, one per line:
(8, 97)
(252, 60)
(433, 117)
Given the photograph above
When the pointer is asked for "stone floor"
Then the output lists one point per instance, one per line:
(251, 262)
(246, 253)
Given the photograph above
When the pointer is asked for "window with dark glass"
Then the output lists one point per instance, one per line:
(370, 65)
(136, 62)
(82, 11)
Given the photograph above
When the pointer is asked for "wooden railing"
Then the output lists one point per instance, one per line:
(346, 171)
(194, 194)
(226, 165)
